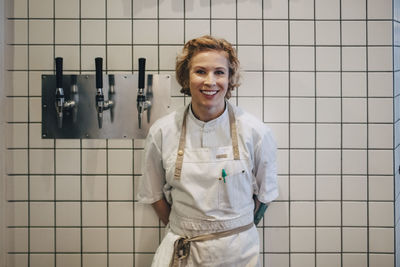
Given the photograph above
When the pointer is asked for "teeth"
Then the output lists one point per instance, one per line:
(209, 92)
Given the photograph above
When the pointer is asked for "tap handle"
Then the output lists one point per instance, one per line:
(59, 72)
(142, 67)
(111, 79)
(99, 72)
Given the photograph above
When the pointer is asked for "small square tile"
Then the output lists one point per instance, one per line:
(94, 240)
(40, 8)
(328, 161)
(19, 81)
(68, 214)
(247, 36)
(380, 58)
(35, 110)
(276, 109)
(94, 187)
(119, 9)
(329, 260)
(120, 161)
(276, 32)
(137, 167)
(303, 9)
(251, 84)
(93, 32)
(354, 110)
(119, 58)
(381, 240)
(251, 104)
(302, 239)
(380, 260)
(302, 32)
(67, 32)
(302, 58)
(354, 240)
(42, 239)
(94, 214)
(17, 214)
(120, 188)
(354, 59)
(17, 135)
(354, 162)
(93, 161)
(276, 260)
(354, 136)
(42, 260)
(18, 109)
(41, 188)
(380, 84)
(327, 9)
(302, 214)
(143, 259)
(302, 162)
(283, 161)
(354, 84)
(328, 239)
(225, 9)
(302, 187)
(380, 162)
(329, 110)
(149, 9)
(353, 259)
(196, 28)
(328, 84)
(380, 9)
(171, 9)
(276, 239)
(249, 9)
(151, 55)
(17, 239)
(41, 161)
(145, 32)
(302, 135)
(283, 188)
(68, 161)
(70, 55)
(19, 58)
(380, 188)
(353, 9)
(328, 58)
(67, 187)
(41, 57)
(328, 135)
(120, 214)
(172, 31)
(17, 260)
(19, 9)
(89, 53)
(16, 188)
(302, 109)
(302, 259)
(35, 137)
(275, 58)
(68, 240)
(93, 8)
(277, 214)
(381, 214)
(354, 213)
(17, 161)
(19, 30)
(197, 9)
(68, 9)
(354, 188)
(328, 187)
(123, 260)
(354, 33)
(281, 132)
(42, 214)
(119, 31)
(68, 260)
(168, 56)
(379, 33)
(328, 213)
(327, 32)
(302, 84)
(145, 215)
(121, 239)
(380, 135)
(146, 239)
(225, 29)
(276, 9)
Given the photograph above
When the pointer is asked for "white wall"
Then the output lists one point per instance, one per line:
(319, 72)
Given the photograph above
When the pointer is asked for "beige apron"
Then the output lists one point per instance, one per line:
(211, 220)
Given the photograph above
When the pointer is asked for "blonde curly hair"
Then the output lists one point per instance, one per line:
(205, 43)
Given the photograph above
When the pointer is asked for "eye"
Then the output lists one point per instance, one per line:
(200, 71)
(220, 72)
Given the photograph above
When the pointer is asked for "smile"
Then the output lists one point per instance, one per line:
(209, 92)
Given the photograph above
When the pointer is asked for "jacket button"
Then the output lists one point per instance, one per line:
(220, 178)
(180, 153)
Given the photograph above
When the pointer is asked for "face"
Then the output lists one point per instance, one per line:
(208, 83)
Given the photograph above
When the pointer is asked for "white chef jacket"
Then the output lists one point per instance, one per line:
(162, 143)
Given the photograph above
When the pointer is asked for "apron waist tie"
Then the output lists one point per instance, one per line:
(182, 245)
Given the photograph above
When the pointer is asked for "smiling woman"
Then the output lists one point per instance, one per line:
(208, 166)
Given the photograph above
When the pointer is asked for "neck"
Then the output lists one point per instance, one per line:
(207, 114)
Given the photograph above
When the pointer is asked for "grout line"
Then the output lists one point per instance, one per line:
(367, 130)
(315, 139)
(289, 132)
(341, 133)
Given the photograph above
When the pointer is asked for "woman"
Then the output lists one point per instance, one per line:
(204, 163)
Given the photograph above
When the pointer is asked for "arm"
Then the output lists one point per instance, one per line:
(162, 208)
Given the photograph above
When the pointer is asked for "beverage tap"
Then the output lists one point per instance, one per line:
(149, 95)
(60, 102)
(101, 104)
(111, 93)
(143, 101)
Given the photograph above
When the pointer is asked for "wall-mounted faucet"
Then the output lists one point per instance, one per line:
(144, 101)
(60, 103)
(101, 104)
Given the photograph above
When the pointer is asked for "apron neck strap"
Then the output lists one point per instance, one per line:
(182, 140)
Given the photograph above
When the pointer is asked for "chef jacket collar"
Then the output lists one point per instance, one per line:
(212, 123)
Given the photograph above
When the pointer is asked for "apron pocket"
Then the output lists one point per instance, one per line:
(236, 191)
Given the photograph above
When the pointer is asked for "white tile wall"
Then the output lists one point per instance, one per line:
(336, 127)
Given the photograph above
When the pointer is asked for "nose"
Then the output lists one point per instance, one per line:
(210, 79)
